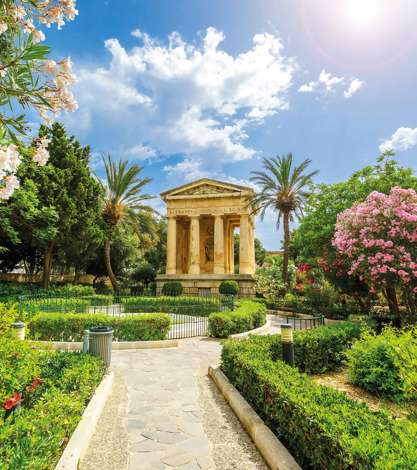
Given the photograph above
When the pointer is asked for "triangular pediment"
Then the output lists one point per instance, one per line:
(205, 188)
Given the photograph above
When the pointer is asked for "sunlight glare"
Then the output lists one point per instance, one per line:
(363, 12)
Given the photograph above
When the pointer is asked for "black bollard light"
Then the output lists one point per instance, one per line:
(287, 344)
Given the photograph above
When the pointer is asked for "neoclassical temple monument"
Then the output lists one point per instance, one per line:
(202, 218)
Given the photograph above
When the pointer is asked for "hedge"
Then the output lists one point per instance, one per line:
(247, 316)
(320, 426)
(33, 435)
(172, 288)
(70, 326)
(386, 363)
(194, 306)
(320, 349)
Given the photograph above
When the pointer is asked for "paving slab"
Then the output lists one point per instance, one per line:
(173, 417)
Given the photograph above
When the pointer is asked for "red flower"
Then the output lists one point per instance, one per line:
(10, 403)
(36, 381)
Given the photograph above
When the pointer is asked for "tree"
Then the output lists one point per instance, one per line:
(144, 274)
(123, 204)
(260, 252)
(28, 79)
(57, 209)
(312, 240)
(155, 255)
(377, 239)
(283, 189)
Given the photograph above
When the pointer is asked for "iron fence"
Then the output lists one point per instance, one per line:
(189, 314)
(300, 323)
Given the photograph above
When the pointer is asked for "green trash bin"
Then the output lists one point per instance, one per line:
(100, 339)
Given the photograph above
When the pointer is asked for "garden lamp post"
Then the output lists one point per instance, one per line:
(287, 344)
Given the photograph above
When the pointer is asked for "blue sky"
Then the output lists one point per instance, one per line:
(192, 88)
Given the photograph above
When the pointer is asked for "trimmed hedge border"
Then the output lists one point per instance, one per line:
(321, 349)
(247, 316)
(320, 426)
(182, 305)
(71, 326)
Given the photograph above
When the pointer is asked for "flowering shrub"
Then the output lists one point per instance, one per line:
(42, 397)
(269, 278)
(376, 241)
(28, 78)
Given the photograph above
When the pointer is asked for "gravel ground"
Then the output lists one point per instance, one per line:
(108, 449)
(232, 448)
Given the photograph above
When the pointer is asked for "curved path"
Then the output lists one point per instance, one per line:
(165, 413)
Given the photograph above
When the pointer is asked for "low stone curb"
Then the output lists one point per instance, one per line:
(116, 345)
(272, 450)
(81, 437)
(255, 331)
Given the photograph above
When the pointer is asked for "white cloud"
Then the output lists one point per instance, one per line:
(355, 86)
(184, 98)
(328, 83)
(308, 87)
(141, 152)
(403, 138)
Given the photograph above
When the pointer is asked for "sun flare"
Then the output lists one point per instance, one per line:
(363, 12)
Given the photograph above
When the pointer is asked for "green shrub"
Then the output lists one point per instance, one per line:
(248, 315)
(229, 288)
(386, 363)
(320, 426)
(13, 290)
(29, 308)
(321, 349)
(7, 316)
(193, 306)
(172, 288)
(71, 326)
(33, 435)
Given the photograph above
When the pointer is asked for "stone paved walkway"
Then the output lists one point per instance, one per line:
(171, 415)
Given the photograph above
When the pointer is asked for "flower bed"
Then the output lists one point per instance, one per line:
(43, 395)
(71, 326)
(320, 426)
(248, 315)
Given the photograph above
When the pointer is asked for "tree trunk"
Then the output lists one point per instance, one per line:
(391, 296)
(107, 261)
(286, 217)
(47, 265)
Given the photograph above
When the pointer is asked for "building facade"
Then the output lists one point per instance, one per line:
(202, 219)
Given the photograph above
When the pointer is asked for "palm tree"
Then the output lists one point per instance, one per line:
(123, 203)
(283, 188)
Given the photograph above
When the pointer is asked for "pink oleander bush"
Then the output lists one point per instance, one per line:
(376, 242)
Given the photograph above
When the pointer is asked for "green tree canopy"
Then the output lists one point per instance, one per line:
(312, 239)
(56, 210)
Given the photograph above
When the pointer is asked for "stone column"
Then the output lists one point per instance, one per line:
(171, 267)
(252, 246)
(194, 245)
(218, 245)
(244, 249)
(232, 249)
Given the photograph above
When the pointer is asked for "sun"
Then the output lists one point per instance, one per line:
(363, 12)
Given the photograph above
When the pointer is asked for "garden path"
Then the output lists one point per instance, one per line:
(165, 413)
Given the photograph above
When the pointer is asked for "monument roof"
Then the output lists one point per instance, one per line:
(205, 187)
